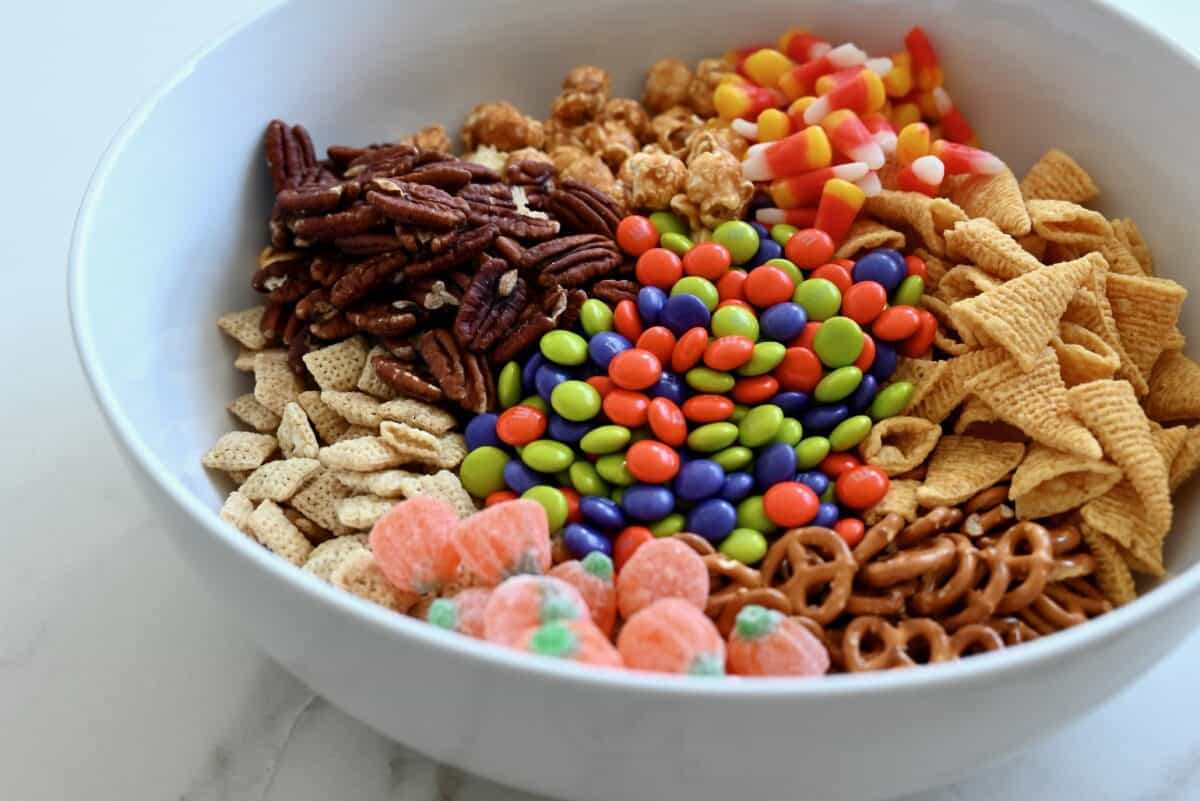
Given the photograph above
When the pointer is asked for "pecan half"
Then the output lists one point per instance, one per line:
(570, 312)
(365, 276)
(493, 203)
(615, 290)
(416, 204)
(386, 319)
(441, 353)
(433, 294)
(381, 161)
(572, 261)
(401, 377)
(315, 306)
(312, 199)
(289, 151)
(491, 304)
(332, 328)
(461, 249)
(480, 390)
(358, 219)
(584, 209)
(533, 323)
(369, 244)
(530, 173)
(448, 176)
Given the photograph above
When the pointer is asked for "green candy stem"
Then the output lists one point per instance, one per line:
(755, 621)
(598, 565)
(554, 639)
(707, 665)
(443, 613)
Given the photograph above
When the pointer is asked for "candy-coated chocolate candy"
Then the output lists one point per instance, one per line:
(860, 400)
(658, 267)
(595, 316)
(667, 223)
(658, 340)
(884, 266)
(815, 480)
(838, 384)
(919, 343)
(760, 425)
(834, 274)
(564, 347)
(462, 613)
(707, 408)
(910, 291)
(635, 368)
(892, 400)
(712, 437)
(731, 286)
(809, 248)
(712, 519)
(581, 539)
(820, 298)
(735, 321)
(671, 636)
(679, 244)
(626, 407)
(482, 431)
(728, 352)
(851, 530)
(764, 357)
(605, 439)
(866, 359)
(508, 384)
(699, 479)
(413, 544)
(827, 515)
(736, 486)
(652, 461)
(863, 301)
(850, 432)
(636, 234)
(668, 526)
(683, 312)
(862, 487)
(810, 451)
(789, 432)
(553, 501)
(667, 421)
(689, 349)
(837, 463)
(572, 497)
(500, 496)
(768, 250)
(791, 401)
(504, 540)
(807, 336)
(604, 346)
(647, 502)
(482, 470)
(612, 468)
(789, 268)
(800, 370)
(766, 285)
(699, 287)
(750, 514)
(789, 504)
(915, 265)
(709, 260)
(824, 418)
(574, 400)
(735, 457)
(592, 577)
(782, 232)
(627, 542)
(662, 568)
(586, 480)
(519, 477)
(567, 431)
(548, 377)
(783, 321)
(885, 362)
(669, 386)
(838, 342)
(705, 379)
(745, 545)
(547, 456)
(765, 642)
(757, 389)
(650, 303)
(602, 513)
(775, 463)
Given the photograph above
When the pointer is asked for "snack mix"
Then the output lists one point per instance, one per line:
(774, 372)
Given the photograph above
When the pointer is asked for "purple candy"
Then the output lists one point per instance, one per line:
(737, 486)
(792, 403)
(482, 431)
(670, 386)
(860, 400)
(760, 202)
(760, 228)
(768, 249)
(699, 479)
(827, 515)
(548, 377)
(683, 313)
(824, 418)
(881, 266)
(885, 362)
(815, 480)
(567, 431)
(602, 347)
(783, 321)
(775, 463)
(529, 371)
(520, 477)
(582, 540)
(601, 512)
(650, 302)
(713, 519)
(647, 502)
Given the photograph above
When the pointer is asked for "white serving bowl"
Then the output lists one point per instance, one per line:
(166, 240)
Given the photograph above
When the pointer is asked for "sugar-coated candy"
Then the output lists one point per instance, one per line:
(662, 568)
(802, 46)
(567, 431)
(594, 316)
(592, 577)
(737, 237)
(885, 361)
(745, 545)
(626, 320)
(658, 340)
(966, 160)
(652, 461)
(548, 377)
(669, 386)
(636, 234)
(765, 642)
(733, 100)
(553, 502)
(504, 540)
(862, 487)
(672, 636)
(521, 602)
(658, 267)
(782, 321)
(574, 640)
(924, 175)
(860, 400)
(801, 79)
(635, 369)
(462, 613)
(413, 544)
(921, 340)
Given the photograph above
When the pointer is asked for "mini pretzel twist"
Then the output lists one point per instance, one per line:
(1031, 569)
(1013, 631)
(815, 560)
(1069, 563)
(935, 521)
(887, 603)
(987, 499)
(975, 638)
(895, 643)
(1063, 605)
(939, 590)
(991, 580)
(911, 563)
(979, 523)
(878, 537)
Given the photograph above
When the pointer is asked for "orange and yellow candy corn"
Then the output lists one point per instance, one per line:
(840, 204)
(804, 150)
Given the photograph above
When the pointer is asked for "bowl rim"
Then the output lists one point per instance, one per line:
(387, 623)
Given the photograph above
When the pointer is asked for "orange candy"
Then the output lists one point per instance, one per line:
(800, 370)
(636, 368)
(626, 320)
(413, 543)
(520, 425)
(576, 640)
(765, 642)
(525, 601)
(689, 349)
(709, 408)
(627, 543)
(896, 323)
(500, 541)
(922, 339)
(468, 610)
(672, 636)
(863, 301)
(500, 496)
(851, 530)
(809, 247)
(729, 352)
(667, 421)
(572, 498)
(652, 462)
(732, 286)
(636, 234)
(835, 274)
(658, 267)
(709, 260)
(593, 579)
(658, 340)
(754, 390)
(662, 568)
(626, 408)
(602, 384)
(765, 286)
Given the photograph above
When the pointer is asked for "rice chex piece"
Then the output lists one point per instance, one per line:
(239, 450)
(1057, 176)
(361, 511)
(245, 326)
(369, 381)
(253, 413)
(275, 385)
(318, 501)
(237, 510)
(1049, 482)
(413, 444)
(354, 481)
(329, 424)
(418, 413)
(280, 480)
(295, 434)
(963, 466)
(244, 360)
(358, 574)
(451, 450)
(364, 454)
(270, 526)
(356, 432)
(357, 408)
(331, 553)
(442, 484)
(338, 366)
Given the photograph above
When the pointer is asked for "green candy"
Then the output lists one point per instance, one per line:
(739, 413)
(595, 316)
(553, 501)
(575, 400)
(671, 524)
(891, 400)
(667, 223)
(850, 432)
(605, 439)
(838, 384)
(508, 385)
(586, 480)
(750, 514)
(617, 495)
(789, 433)
(612, 468)
(810, 451)
(820, 298)
(536, 402)
(909, 292)
(838, 342)
(829, 495)
(765, 357)
(735, 321)
(745, 545)
(755, 622)
(443, 613)
(700, 287)
(712, 437)
(564, 347)
(678, 244)
(547, 456)
(760, 425)
(739, 238)
(782, 232)
(788, 267)
(706, 379)
(734, 457)
(598, 565)
(563, 477)
(639, 434)
(482, 471)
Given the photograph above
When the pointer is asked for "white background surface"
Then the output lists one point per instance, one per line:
(119, 678)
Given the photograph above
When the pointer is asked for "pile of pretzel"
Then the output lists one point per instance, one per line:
(954, 582)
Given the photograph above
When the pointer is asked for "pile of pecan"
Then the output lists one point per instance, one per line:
(447, 265)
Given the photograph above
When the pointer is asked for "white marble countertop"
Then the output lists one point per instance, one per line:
(119, 678)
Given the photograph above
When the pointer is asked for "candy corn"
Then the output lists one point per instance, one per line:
(802, 46)
(882, 131)
(927, 73)
(851, 138)
(899, 79)
(862, 94)
(802, 151)
(801, 80)
(870, 184)
(911, 143)
(734, 100)
(766, 66)
(801, 218)
(840, 204)
(805, 188)
(954, 124)
(796, 109)
(966, 160)
(923, 175)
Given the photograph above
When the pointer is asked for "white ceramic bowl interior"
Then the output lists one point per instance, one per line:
(166, 241)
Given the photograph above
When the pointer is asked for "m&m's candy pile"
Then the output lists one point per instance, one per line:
(725, 400)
